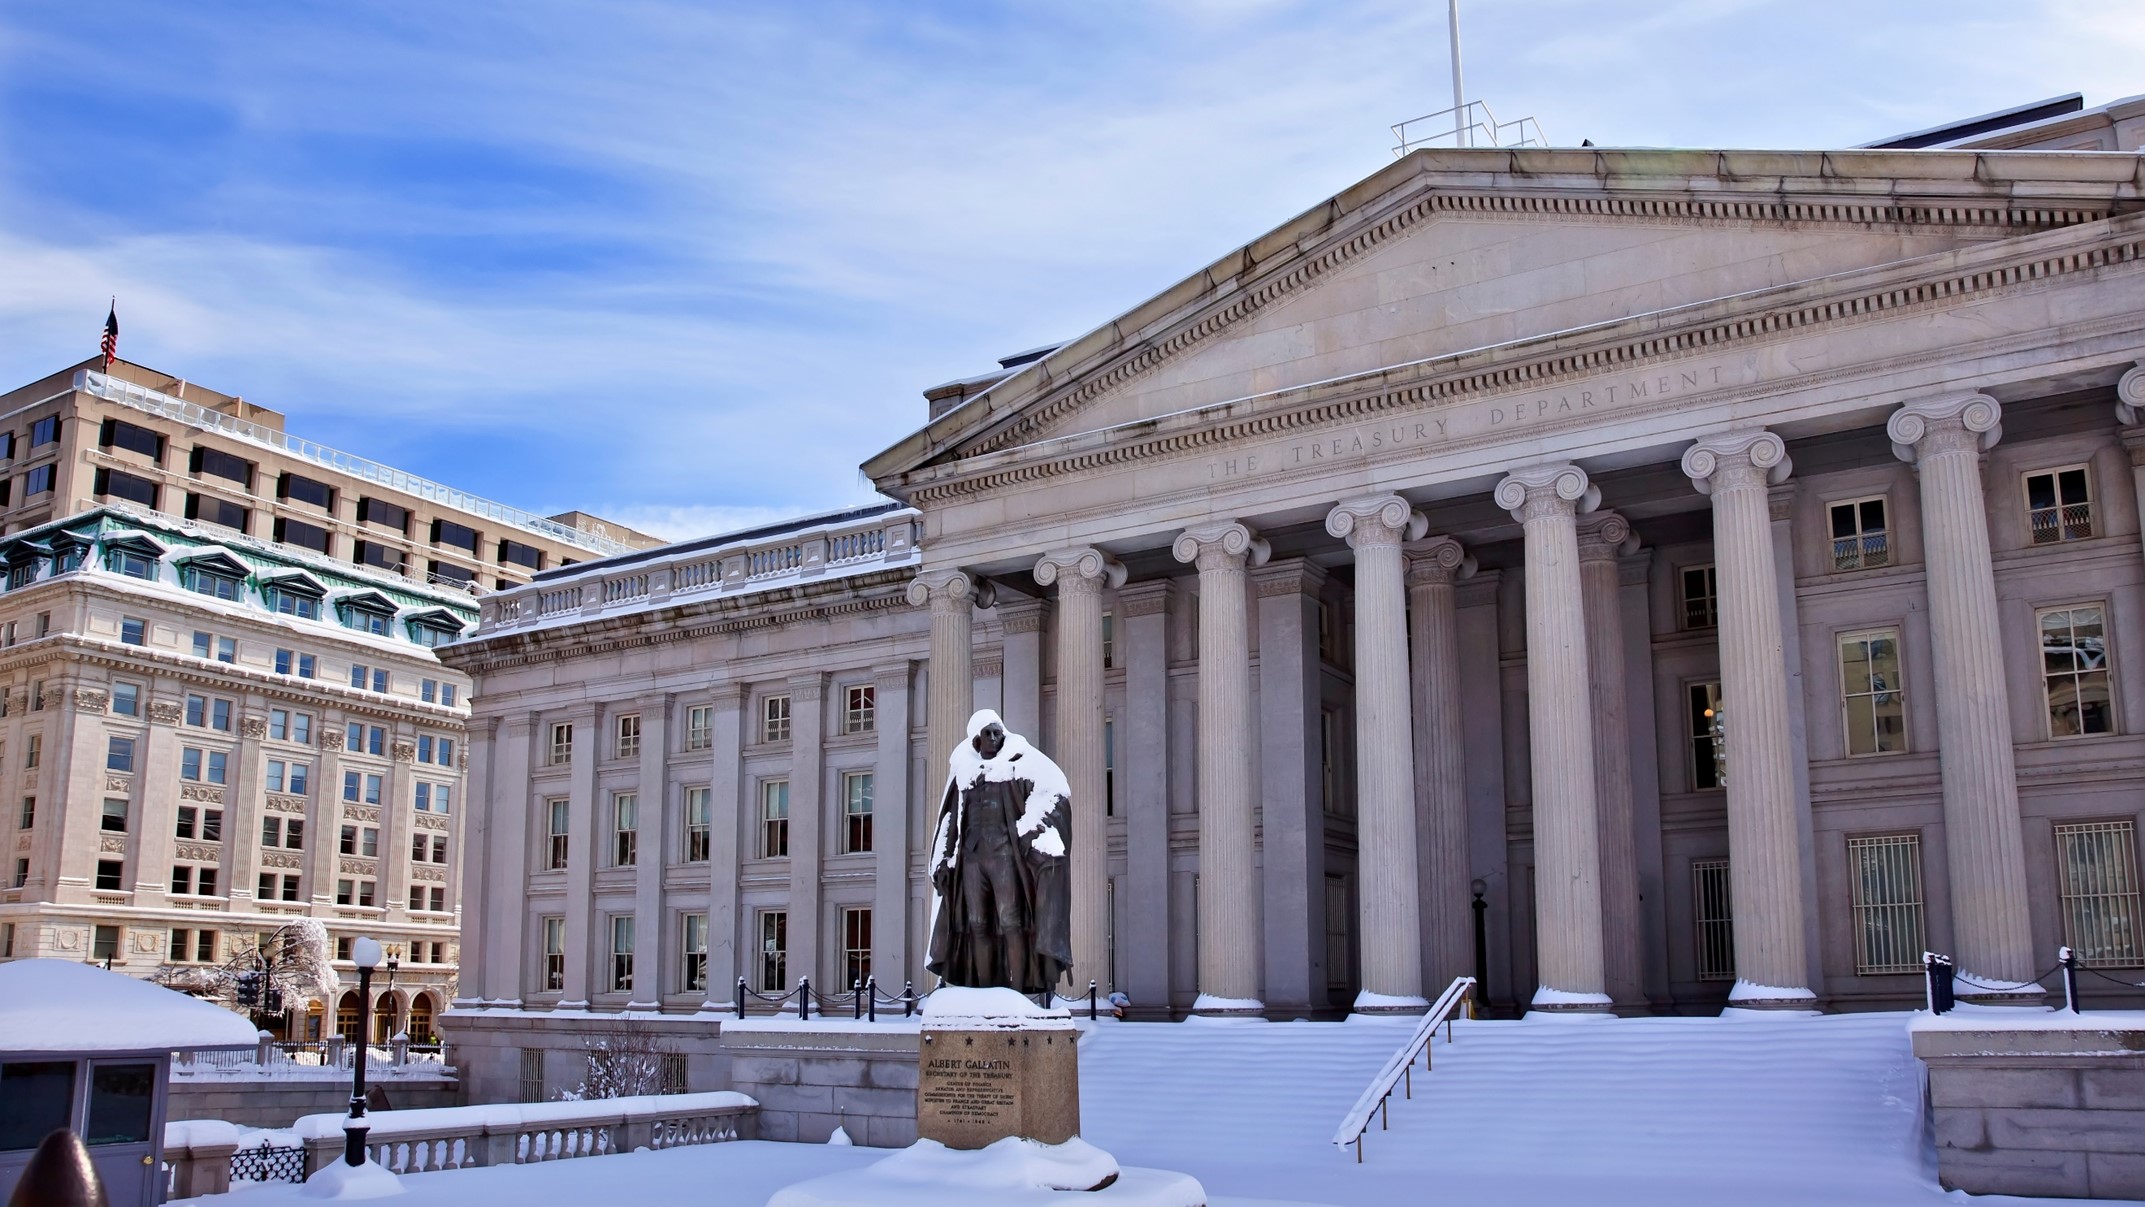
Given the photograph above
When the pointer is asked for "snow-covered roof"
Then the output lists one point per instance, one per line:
(61, 1006)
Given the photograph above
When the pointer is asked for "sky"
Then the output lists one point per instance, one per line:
(686, 265)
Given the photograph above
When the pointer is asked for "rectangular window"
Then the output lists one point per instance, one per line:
(300, 489)
(774, 950)
(33, 746)
(860, 706)
(558, 813)
(692, 952)
(774, 819)
(621, 953)
(514, 553)
(554, 953)
(625, 830)
(216, 463)
(118, 433)
(190, 764)
(28, 816)
(1709, 737)
(2099, 866)
(1109, 641)
(304, 536)
(1872, 706)
(294, 835)
(1885, 874)
(345, 894)
(2059, 505)
(114, 820)
(38, 481)
(182, 880)
(774, 719)
(1109, 767)
(856, 812)
(104, 943)
(274, 776)
(1329, 760)
(369, 842)
(379, 557)
(1714, 919)
(110, 875)
(2074, 671)
(697, 822)
(447, 532)
(204, 946)
(179, 944)
(699, 727)
(856, 947)
(133, 630)
(382, 514)
(222, 512)
(119, 754)
(45, 431)
(562, 743)
(439, 848)
(423, 796)
(1701, 605)
(1859, 535)
(126, 699)
(628, 734)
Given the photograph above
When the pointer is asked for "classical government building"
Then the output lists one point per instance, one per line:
(1723, 569)
(220, 710)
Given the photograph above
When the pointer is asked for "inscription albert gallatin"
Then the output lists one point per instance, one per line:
(973, 1088)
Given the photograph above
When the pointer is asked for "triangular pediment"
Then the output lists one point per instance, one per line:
(1453, 251)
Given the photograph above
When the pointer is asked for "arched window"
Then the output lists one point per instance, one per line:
(421, 1020)
(386, 1017)
(314, 1012)
(346, 1017)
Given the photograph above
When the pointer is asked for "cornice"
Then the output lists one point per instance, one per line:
(1885, 291)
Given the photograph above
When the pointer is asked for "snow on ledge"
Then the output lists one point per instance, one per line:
(962, 1007)
(1390, 1003)
(62, 1006)
(1746, 991)
(1968, 1017)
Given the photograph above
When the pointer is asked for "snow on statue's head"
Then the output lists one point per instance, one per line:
(986, 733)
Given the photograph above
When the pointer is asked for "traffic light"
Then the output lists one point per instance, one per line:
(272, 1001)
(249, 988)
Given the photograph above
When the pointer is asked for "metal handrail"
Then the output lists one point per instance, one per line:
(1400, 1066)
(1469, 125)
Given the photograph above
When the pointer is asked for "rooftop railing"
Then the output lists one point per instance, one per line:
(1468, 125)
(141, 398)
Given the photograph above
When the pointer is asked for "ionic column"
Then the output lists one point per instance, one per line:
(1440, 759)
(1943, 438)
(1080, 576)
(1764, 817)
(953, 597)
(1391, 910)
(1228, 900)
(1603, 536)
(1567, 840)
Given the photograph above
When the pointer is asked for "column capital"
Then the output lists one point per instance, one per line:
(1750, 458)
(2130, 394)
(1375, 520)
(1226, 545)
(1081, 567)
(1438, 560)
(1945, 423)
(1540, 490)
(949, 589)
(1293, 576)
(1020, 614)
(1604, 536)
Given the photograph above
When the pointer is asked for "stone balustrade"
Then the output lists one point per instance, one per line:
(476, 1136)
(873, 539)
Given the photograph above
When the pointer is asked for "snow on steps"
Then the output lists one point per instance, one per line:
(1754, 1111)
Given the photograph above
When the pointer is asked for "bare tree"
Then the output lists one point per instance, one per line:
(624, 1061)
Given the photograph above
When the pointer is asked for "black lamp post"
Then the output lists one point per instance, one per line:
(365, 953)
(1482, 943)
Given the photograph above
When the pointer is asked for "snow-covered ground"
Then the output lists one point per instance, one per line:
(1755, 1112)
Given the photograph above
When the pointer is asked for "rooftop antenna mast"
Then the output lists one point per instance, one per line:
(1459, 92)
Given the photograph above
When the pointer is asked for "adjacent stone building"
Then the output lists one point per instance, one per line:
(1724, 566)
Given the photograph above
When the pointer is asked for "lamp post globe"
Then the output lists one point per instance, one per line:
(365, 953)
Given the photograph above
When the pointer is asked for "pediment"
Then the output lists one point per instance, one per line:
(1450, 252)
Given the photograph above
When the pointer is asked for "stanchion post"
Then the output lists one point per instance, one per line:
(741, 997)
(1091, 1010)
(2069, 959)
(804, 999)
(908, 998)
(871, 999)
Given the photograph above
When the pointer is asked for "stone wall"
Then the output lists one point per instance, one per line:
(2057, 1112)
(277, 1102)
(487, 1046)
(812, 1077)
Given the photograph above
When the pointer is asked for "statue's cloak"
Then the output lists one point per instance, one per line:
(1041, 835)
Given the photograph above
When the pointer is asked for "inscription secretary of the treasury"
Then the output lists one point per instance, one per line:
(1002, 914)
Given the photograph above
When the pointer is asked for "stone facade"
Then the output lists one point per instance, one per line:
(1732, 561)
(2039, 1112)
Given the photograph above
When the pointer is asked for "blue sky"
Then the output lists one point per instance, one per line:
(687, 265)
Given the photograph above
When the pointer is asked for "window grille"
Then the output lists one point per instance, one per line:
(1860, 540)
(2059, 505)
(532, 1074)
(1886, 876)
(1715, 919)
(2099, 866)
(1701, 603)
(672, 1073)
(2074, 671)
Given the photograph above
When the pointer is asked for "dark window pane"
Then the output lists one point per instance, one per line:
(514, 553)
(299, 488)
(35, 1100)
(386, 515)
(302, 534)
(219, 464)
(1843, 520)
(448, 572)
(2041, 491)
(2071, 482)
(447, 532)
(373, 553)
(216, 511)
(118, 433)
(117, 485)
(119, 1100)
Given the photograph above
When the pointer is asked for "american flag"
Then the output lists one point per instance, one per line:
(111, 335)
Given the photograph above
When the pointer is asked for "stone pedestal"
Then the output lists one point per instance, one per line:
(992, 1064)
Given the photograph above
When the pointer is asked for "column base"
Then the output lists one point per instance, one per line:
(1210, 1006)
(1564, 1002)
(1771, 999)
(1388, 1005)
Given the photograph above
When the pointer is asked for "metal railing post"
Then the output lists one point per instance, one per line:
(871, 1004)
(804, 999)
(856, 1001)
(741, 997)
(908, 998)
(2069, 960)
(1091, 1013)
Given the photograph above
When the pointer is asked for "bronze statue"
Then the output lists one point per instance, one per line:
(1002, 915)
